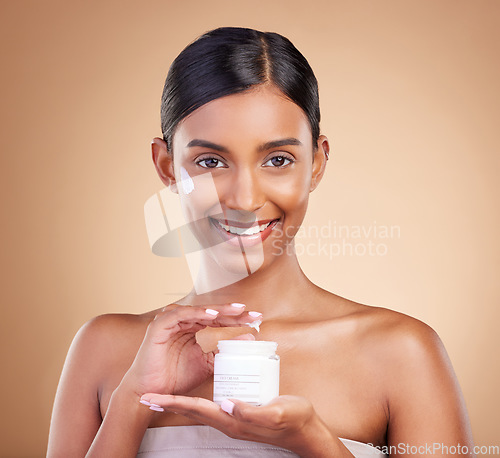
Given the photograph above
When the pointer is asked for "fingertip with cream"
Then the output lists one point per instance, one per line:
(255, 325)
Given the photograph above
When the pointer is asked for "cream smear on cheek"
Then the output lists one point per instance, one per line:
(186, 181)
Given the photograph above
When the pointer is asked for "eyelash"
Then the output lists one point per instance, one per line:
(287, 157)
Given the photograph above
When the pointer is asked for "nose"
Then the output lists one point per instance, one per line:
(244, 192)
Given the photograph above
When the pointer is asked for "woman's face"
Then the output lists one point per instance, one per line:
(245, 163)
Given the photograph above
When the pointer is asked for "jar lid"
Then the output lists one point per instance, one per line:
(247, 347)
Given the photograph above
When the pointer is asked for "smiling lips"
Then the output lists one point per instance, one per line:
(256, 231)
(245, 230)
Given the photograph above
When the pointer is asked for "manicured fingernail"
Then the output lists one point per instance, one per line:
(155, 405)
(212, 312)
(146, 403)
(227, 406)
(237, 305)
(157, 408)
(255, 314)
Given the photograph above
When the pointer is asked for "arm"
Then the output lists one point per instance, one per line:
(425, 403)
(76, 418)
(169, 360)
(123, 428)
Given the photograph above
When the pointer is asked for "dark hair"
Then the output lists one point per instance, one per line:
(229, 60)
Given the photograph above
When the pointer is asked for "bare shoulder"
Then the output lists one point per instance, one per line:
(410, 352)
(391, 344)
(382, 329)
(395, 337)
(407, 360)
(389, 327)
(101, 352)
(102, 344)
(105, 336)
(112, 325)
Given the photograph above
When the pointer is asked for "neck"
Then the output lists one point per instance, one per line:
(280, 290)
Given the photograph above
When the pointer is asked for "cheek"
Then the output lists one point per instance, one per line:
(198, 195)
(292, 199)
(289, 194)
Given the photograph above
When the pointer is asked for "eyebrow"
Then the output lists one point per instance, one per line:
(265, 146)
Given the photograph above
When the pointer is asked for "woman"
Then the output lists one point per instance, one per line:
(242, 148)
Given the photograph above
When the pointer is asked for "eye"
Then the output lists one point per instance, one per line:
(210, 163)
(278, 161)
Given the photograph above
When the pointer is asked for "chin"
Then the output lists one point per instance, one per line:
(232, 260)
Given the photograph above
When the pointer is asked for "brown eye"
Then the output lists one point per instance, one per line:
(278, 161)
(210, 163)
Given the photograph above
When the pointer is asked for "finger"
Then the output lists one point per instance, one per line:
(274, 415)
(207, 412)
(185, 314)
(244, 319)
(226, 315)
(258, 422)
(199, 409)
(227, 308)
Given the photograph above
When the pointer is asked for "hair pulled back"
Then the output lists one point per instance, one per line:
(229, 60)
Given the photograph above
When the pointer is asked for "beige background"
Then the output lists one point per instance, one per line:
(410, 101)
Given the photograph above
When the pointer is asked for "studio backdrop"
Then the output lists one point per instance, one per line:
(406, 216)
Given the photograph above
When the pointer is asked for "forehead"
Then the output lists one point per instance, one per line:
(260, 114)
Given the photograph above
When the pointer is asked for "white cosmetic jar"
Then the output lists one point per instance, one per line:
(248, 370)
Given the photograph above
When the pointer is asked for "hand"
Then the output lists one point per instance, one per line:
(170, 360)
(287, 421)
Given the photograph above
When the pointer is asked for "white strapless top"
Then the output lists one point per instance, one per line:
(207, 442)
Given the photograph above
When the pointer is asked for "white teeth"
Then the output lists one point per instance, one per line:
(243, 230)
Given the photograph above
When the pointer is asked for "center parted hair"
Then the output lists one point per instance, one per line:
(229, 60)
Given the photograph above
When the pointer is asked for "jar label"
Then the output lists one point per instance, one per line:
(243, 382)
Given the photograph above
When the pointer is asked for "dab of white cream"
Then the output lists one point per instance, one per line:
(255, 325)
(187, 182)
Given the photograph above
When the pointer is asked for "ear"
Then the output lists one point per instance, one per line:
(164, 163)
(319, 161)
